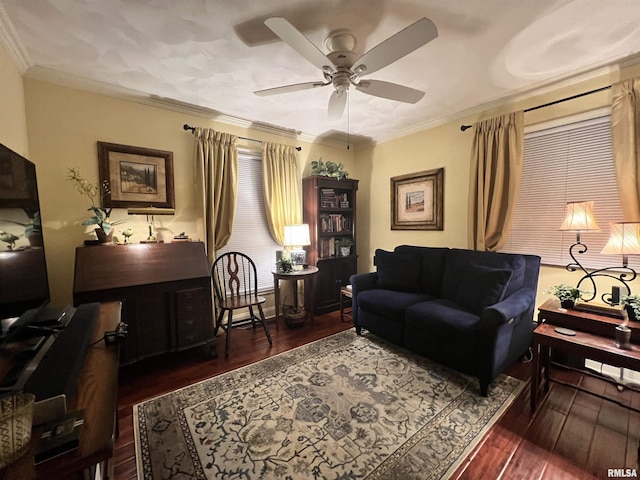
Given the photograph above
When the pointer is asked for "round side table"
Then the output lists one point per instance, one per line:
(308, 275)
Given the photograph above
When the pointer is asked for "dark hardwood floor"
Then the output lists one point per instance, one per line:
(573, 435)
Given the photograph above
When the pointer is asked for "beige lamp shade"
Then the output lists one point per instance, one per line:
(579, 217)
(624, 239)
(296, 235)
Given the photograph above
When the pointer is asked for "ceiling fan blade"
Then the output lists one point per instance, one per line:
(394, 48)
(289, 88)
(296, 40)
(337, 102)
(389, 90)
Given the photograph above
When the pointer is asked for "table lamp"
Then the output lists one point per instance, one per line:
(295, 237)
(624, 239)
(579, 219)
(150, 212)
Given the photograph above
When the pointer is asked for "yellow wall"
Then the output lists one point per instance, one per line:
(64, 125)
(13, 120)
(443, 146)
(446, 146)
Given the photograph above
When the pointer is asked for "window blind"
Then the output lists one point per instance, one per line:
(563, 164)
(250, 233)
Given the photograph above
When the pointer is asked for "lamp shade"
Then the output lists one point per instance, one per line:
(579, 217)
(624, 239)
(296, 235)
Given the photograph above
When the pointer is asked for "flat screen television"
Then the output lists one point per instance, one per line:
(24, 285)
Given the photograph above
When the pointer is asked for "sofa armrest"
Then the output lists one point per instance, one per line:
(515, 305)
(363, 281)
(359, 283)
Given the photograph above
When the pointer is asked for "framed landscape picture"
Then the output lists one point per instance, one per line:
(137, 177)
(417, 201)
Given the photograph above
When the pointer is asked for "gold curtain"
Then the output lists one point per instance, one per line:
(282, 192)
(217, 178)
(496, 166)
(625, 131)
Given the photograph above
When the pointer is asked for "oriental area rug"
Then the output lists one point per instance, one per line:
(343, 407)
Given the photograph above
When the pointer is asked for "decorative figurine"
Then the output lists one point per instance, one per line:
(127, 233)
(9, 238)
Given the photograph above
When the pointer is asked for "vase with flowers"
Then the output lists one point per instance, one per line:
(101, 215)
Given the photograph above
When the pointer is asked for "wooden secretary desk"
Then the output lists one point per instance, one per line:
(165, 290)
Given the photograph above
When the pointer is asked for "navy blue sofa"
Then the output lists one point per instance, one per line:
(468, 310)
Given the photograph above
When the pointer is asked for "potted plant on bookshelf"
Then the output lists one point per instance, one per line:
(632, 306)
(344, 244)
(329, 169)
(566, 294)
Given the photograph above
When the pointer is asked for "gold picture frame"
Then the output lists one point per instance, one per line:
(136, 176)
(417, 201)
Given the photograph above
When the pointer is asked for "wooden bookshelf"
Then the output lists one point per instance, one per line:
(330, 211)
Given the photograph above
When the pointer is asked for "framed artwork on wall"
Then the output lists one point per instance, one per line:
(417, 201)
(136, 176)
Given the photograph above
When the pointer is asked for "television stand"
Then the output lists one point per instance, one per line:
(51, 315)
(96, 394)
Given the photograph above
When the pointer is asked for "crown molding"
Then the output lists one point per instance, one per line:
(514, 97)
(357, 142)
(86, 84)
(13, 45)
(123, 93)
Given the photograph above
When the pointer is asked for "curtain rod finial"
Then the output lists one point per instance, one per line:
(465, 127)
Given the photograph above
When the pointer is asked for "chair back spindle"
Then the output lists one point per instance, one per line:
(235, 282)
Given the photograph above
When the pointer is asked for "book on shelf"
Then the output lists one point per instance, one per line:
(334, 222)
(330, 199)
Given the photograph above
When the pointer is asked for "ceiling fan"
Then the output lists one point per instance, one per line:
(341, 68)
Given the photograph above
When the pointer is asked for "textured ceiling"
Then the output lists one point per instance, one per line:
(215, 54)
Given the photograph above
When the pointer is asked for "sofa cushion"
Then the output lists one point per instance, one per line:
(397, 271)
(457, 259)
(443, 319)
(480, 287)
(431, 266)
(389, 304)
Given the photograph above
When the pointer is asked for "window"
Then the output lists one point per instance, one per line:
(568, 163)
(250, 230)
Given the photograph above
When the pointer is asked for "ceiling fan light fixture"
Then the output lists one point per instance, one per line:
(360, 70)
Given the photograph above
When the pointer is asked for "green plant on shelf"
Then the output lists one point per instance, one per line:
(344, 242)
(328, 169)
(565, 293)
(633, 302)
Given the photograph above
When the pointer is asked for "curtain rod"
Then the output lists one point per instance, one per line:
(193, 130)
(465, 127)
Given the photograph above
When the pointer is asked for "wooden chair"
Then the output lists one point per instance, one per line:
(236, 286)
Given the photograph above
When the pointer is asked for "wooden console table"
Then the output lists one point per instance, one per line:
(97, 395)
(594, 339)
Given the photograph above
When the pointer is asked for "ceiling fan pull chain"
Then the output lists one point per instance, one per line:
(348, 119)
